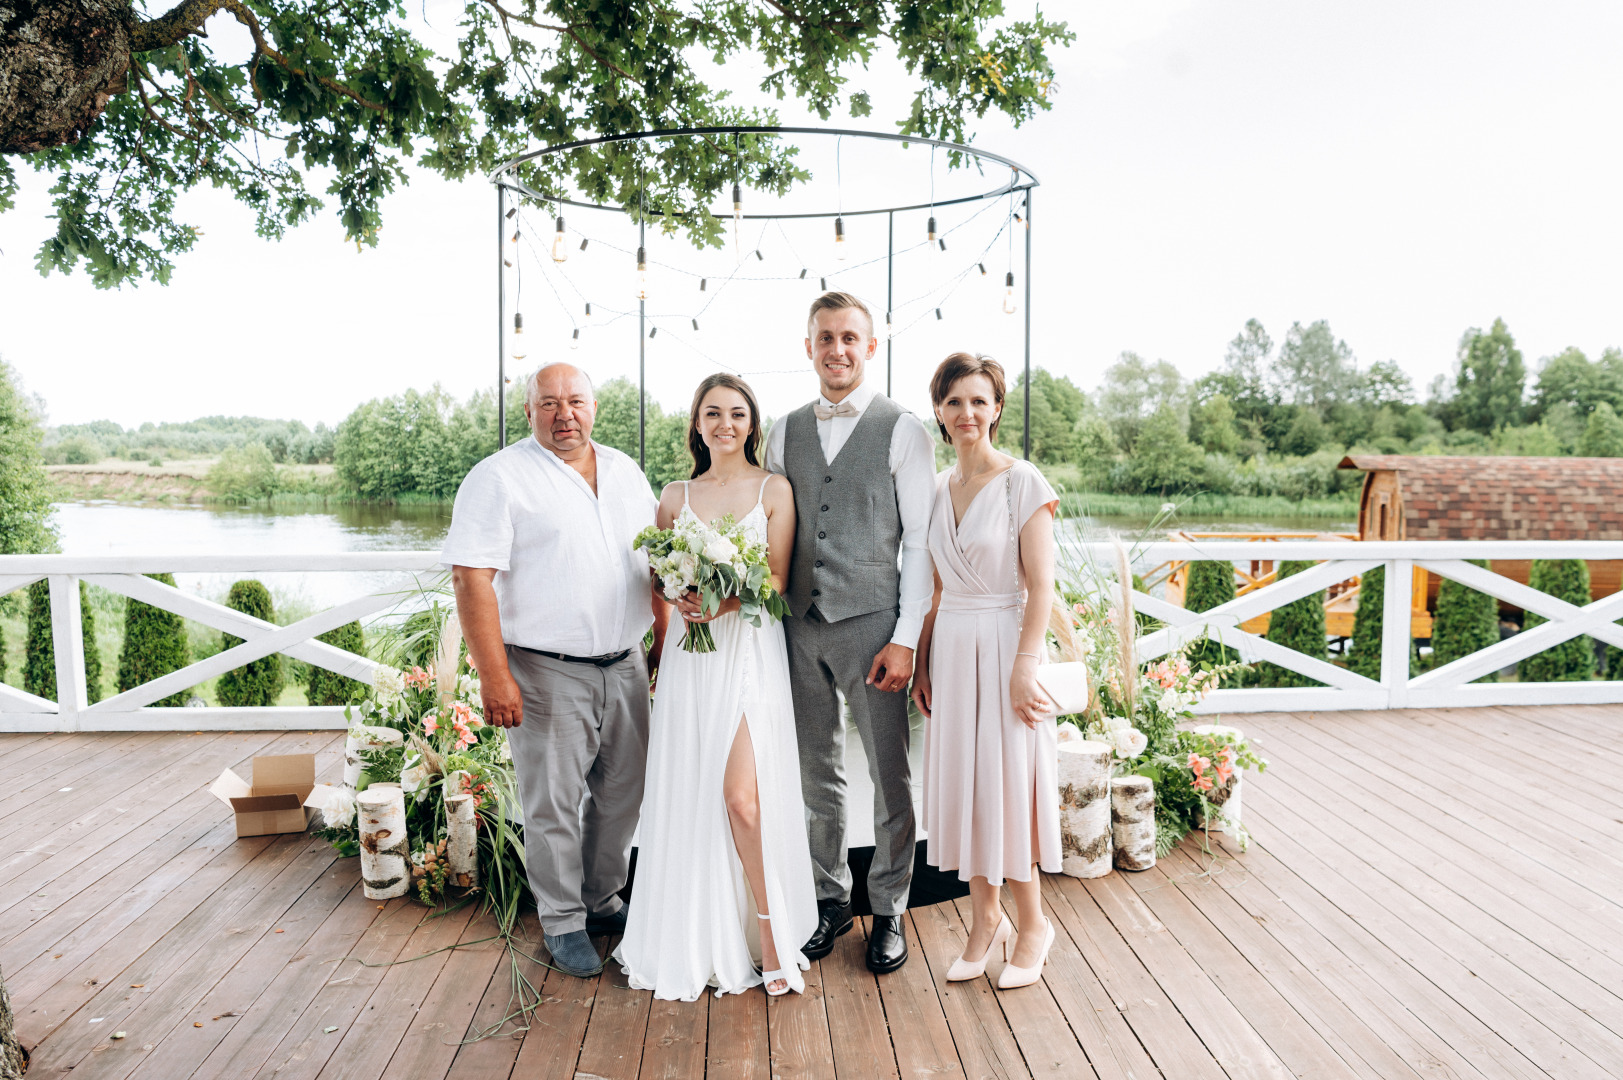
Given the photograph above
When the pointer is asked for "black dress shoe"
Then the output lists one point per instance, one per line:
(608, 924)
(887, 944)
(833, 919)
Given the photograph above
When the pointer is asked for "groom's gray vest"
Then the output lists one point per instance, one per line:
(848, 531)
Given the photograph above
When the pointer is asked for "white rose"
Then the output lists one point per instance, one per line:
(687, 567)
(720, 550)
(1117, 723)
(413, 778)
(338, 809)
(1128, 743)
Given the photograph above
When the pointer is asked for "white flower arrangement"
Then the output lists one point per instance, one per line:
(717, 561)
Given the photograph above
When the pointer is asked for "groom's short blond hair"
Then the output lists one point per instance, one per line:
(834, 301)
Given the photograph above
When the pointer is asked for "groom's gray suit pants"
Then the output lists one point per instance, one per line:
(580, 754)
(828, 657)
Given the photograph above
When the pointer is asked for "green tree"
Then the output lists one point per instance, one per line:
(1314, 368)
(1489, 382)
(259, 682)
(1574, 659)
(154, 645)
(1571, 378)
(1165, 460)
(328, 687)
(1306, 435)
(1297, 625)
(1210, 584)
(1212, 425)
(39, 653)
(25, 489)
(1466, 621)
(1364, 654)
(1603, 434)
(243, 473)
(1057, 409)
(346, 97)
(1135, 390)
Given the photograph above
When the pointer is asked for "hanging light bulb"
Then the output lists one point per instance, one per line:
(558, 252)
(510, 252)
(642, 273)
(574, 339)
(888, 331)
(738, 213)
(983, 268)
(839, 239)
(931, 228)
(520, 347)
(588, 312)
(1009, 306)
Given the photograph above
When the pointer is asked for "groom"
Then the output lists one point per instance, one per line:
(863, 472)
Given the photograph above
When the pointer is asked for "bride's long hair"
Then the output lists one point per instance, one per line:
(752, 442)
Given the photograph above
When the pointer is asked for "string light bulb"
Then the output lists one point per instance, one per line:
(558, 252)
(738, 213)
(574, 339)
(520, 348)
(642, 273)
(511, 252)
(588, 311)
(839, 239)
(931, 228)
(1009, 306)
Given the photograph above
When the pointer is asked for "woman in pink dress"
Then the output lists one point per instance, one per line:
(991, 795)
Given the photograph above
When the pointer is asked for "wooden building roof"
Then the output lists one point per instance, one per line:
(1503, 498)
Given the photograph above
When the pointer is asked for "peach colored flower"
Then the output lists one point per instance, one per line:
(431, 723)
(1204, 783)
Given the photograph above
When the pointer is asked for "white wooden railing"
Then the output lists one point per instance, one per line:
(133, 710)
(1397, 688)
(1450, 685)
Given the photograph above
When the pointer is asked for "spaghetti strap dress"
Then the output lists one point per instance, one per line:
(692, 923)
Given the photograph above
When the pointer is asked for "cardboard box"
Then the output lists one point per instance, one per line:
(274, 801)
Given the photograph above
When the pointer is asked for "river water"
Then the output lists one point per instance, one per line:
(109, 528)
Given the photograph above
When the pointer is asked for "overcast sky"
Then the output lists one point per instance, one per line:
(1403, 170)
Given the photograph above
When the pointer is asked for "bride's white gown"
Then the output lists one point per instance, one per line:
(692, 921)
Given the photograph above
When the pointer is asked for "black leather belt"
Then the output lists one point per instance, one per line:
(608, 660)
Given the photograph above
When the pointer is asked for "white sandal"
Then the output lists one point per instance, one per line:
(780, 975)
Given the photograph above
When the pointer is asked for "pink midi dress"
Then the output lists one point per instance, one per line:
(991, 791)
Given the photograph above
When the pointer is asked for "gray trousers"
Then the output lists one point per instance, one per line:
(580, 755)
(825, 658)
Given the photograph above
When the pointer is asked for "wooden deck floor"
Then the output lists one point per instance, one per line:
(1430, 894)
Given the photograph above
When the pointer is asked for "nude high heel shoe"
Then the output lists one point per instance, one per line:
(963, 969)
(1012, 976)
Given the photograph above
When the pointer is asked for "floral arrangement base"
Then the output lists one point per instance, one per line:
(1132, 815)
(1084, 807)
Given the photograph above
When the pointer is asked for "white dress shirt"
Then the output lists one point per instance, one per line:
(567, 578)
(912, 467)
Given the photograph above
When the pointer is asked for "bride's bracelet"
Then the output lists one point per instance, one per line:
(1033, 655)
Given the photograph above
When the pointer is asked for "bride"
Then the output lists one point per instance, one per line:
(724, 877)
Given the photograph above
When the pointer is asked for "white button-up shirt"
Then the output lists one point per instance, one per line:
(912, 468)
(568, 579)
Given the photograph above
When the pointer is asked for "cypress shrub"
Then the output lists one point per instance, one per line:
(1210, 584)
(154, 645)
(1298, 625)
(1364, 655)
(1574, 659)
(329, 688)
(39, 655)
(1466, 622)
(260, 682)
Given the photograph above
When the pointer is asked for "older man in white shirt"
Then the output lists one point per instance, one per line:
(554, 602)
(860, 584)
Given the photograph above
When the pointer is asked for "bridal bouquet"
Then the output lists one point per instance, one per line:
(718, 561)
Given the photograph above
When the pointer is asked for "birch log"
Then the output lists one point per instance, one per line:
(462, 842)
(382, 812)
(1132, 815)
(1084, 808)
(456, 783)
(365, 737)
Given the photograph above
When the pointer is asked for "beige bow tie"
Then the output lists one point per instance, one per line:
(844, 408)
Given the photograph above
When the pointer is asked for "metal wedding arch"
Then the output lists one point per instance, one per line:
(505, 179)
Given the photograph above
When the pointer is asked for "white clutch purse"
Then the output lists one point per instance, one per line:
(1066, 685)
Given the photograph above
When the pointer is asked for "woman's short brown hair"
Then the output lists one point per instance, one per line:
(961, 365)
